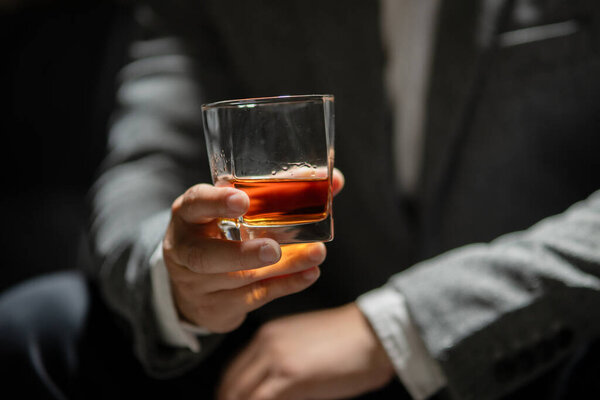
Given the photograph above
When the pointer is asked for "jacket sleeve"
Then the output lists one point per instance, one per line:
(499, 314)
(155, 152)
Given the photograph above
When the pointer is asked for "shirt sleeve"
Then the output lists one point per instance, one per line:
(388, 314)
(174, 331)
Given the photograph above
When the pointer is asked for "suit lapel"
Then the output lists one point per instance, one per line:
(464, 42)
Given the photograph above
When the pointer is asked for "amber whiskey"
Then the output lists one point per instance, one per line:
(285, 201)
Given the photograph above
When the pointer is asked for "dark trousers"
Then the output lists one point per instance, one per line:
(58, 341)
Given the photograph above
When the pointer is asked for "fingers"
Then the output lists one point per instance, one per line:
(243, 376)
(250, 355)
(212, 256)
(273, 389)
(202, 203)
(220, 302)
(250, 377)
(223, 311)
(259, 293)
(295, 258)
(338, 181)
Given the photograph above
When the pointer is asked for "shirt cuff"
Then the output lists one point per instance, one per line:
(174, 331)
(386, 310)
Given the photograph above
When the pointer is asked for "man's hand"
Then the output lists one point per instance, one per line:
(329, 354)
(216, 282)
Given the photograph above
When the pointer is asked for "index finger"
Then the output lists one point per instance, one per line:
(213, 256)
(203, 202)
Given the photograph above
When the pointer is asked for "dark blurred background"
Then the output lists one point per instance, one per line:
(58, 65)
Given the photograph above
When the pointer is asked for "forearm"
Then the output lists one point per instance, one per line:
(480, 306)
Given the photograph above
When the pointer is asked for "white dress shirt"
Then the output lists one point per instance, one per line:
(407, 34)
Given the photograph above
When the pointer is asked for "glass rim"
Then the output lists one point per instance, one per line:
(252, 101)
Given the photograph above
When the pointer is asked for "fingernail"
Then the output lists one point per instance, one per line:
(237, 202)
(268, 253)
(311, 274)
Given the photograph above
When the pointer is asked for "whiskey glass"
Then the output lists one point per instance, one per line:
(280, 151)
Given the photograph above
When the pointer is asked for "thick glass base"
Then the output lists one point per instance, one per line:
(321, 231)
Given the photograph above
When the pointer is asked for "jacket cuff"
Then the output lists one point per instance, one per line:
(386, 310)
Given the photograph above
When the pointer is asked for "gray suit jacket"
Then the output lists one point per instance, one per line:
(512, 138)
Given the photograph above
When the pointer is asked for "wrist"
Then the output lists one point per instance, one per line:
(378, 359)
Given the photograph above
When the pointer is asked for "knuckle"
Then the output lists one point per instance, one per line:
(285, 368)
(244, 275)
(197, 259)
(177, 204)
(258, 293)
(243, 256)
(267, 332)
(190, 195)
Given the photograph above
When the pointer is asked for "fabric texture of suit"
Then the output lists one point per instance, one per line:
(512, 132)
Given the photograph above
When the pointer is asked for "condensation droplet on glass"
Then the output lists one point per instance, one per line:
(273, 172)
(285, 168)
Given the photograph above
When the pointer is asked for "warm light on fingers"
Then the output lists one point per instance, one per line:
(257, 294)
(291, 252)
(288, 253)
